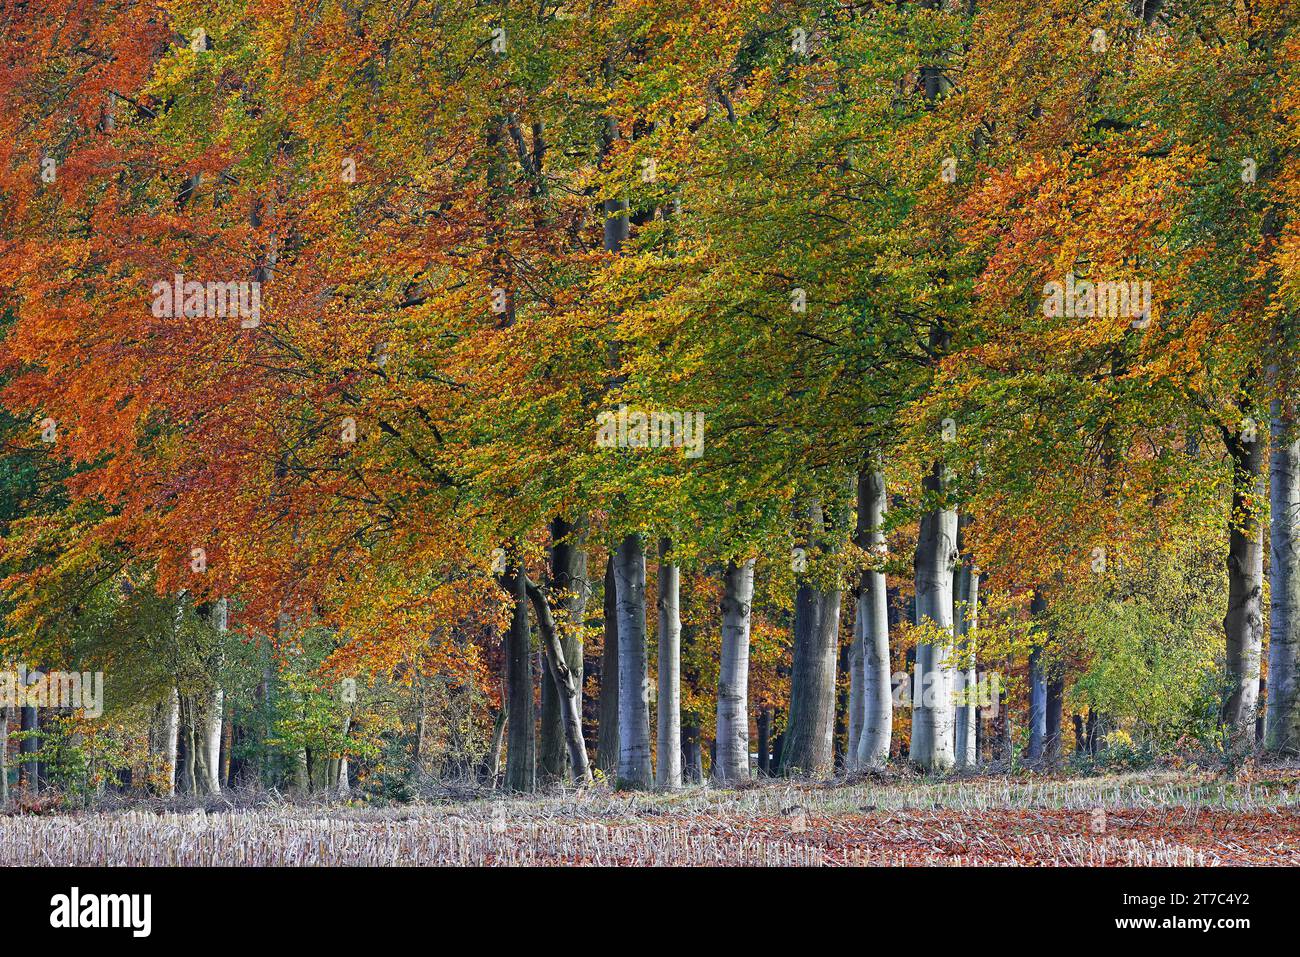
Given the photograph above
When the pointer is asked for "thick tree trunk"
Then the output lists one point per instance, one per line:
(1055, 709)
(810, 726)
(607, 743)
(872, 626)
(764, 724)
(731, 758)
(634, 770)
(1037, 686)
(668, 772)
(1282, 732)
(965, 623)
(936, 557)
(1243, 624)
(520, 737)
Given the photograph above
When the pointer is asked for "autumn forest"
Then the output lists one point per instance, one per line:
(484, 402)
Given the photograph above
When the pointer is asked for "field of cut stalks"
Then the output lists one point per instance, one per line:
(1114, 821)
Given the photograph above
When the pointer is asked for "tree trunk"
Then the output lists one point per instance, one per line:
(856, 707)
(810, 726)
(936, 557)
(171, 739)
(4, 754)
(1243, 623)
(692, 753)
(521, 739)
(1283, 702)
(634, 770)
(607, 743)
(29, 722)
(731, 760)
(1055, 708)
(567, 684)
(668, 771)
(570, 591)
(764, 724)
(1037, 686)
(872, 626)
(965, 622)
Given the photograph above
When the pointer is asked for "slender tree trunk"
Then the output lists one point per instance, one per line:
(1037, 685)
(1283, 702)
(936, 557)
(4, 754)
(569, 583)
(567, 684)
(171, 738)
(521, 738)
(668, 772)
(1243, 623)
(731, 761)
(634, 764)
(872, 626)
(607, 744)
(692, 753)
(810, 726)
(856, 703)
(965, 622)
(764, 724)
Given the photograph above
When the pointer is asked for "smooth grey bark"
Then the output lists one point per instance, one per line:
(668, 770)
(1282, 730)
(810, 724)
(171, 737)
(520, 732)
(607, 741)
(213, 710)
(568, 685)
(872, 627)
(731, 754)
(1037, 686)
(936, 558)
(570, 591)
(965, 623)
(634, 762)
(4, 753)
(1243, 624)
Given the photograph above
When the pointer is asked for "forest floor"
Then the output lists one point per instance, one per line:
(1166, 818)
